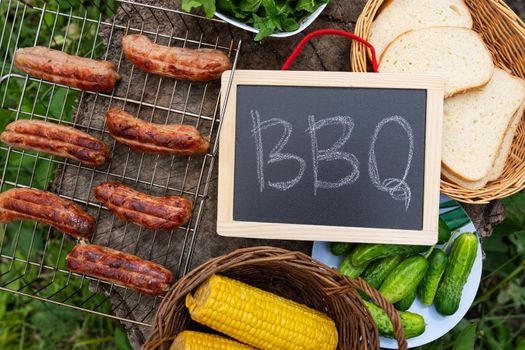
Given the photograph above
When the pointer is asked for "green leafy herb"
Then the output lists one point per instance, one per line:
(466, 339)
(208, 6)
(268, 16)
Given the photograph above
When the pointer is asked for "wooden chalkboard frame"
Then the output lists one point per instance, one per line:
(226, 226)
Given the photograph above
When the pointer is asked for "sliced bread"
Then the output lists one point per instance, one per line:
(499, 164)
(475, 125)
(400, 16)
(506, 145)
(471, 185)
(456, 54)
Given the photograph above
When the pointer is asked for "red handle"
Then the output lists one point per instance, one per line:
(303, 42)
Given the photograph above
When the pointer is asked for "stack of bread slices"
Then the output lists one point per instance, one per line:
(483, 103)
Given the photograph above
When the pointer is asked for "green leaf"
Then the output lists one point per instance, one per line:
(460, 327)
(495, 244)
(249, 5)
(306, 5)
(55, 107)
(64, 320)
(285, 8)
(121, 339)
(503, 333)
(512, 292)
(270, 8)
(6, 117)
(520, 345)
(466, 339)
(229, 8)
(265, 26)
(208, 6)
(515, 209)
(438, 344)
(289, 24)
(272, 15)
(4, 297)
(518, 239)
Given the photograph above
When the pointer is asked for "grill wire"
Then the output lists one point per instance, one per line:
(27, 266)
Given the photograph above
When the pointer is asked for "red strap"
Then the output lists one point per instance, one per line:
(299, 47)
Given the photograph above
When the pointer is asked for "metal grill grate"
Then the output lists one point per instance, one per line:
(30, 263)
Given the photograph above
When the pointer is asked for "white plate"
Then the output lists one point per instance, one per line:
(437, 325)
(302, 25)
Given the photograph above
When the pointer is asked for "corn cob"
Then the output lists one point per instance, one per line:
(189, 340)
(259, 318)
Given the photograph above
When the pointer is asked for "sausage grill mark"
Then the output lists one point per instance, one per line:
(157, 213)
(182, 140)
(59, 140)
(46, 207)
(175, 62)
(119, 267)
(59, 67)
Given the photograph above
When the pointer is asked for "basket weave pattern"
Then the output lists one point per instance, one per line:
(504, 35)
(292, 275)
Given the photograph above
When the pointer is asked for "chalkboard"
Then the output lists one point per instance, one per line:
(313, 181)
(308, 158)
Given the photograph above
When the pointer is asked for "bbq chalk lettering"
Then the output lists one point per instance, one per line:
(397, 188)
(330, 156)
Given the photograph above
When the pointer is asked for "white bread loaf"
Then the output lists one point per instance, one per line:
(400, 16)
(456, 54)
(475, 125)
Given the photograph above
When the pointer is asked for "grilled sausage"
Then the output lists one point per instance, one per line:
(59, 140)
(62, 68)
(157, 213)
(182, 140)
(175, 62)
(118, 267)
(46, 207)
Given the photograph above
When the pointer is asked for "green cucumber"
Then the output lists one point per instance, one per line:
(404, 278)
(347, 268)
(405, 303)
(443, 232)
(365, 253)
(437, 264)
(412, 323)
(340, 248)
(460, 261)
(377, 271)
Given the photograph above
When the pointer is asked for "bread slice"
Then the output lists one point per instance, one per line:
(498, 166)
(475, 185)
(456, 54)
(474, 128)
(504, 151)
(400, 16)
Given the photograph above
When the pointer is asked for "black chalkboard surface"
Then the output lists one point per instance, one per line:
(307, 155)
(311, 160)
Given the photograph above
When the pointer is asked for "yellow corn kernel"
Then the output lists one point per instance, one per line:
(259, 318)
(189, 340)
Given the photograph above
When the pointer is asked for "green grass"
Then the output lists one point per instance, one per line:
(27, 323)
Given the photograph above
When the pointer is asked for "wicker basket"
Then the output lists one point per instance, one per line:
(292, 275)
(504, 34)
